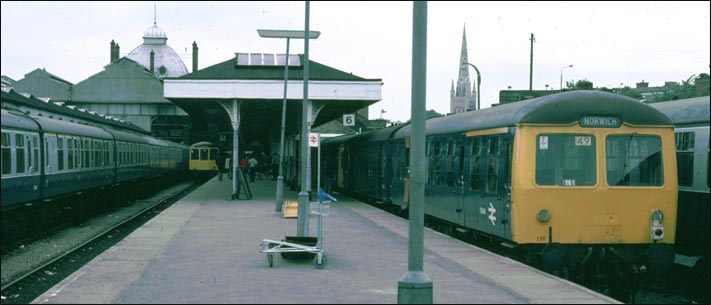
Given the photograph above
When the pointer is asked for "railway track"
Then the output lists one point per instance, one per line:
(680, 287)
(30, 269)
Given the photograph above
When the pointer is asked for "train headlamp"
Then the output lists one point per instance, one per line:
(657, 215)
(657, 228)
(543, 215)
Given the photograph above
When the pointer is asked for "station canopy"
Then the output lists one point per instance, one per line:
(256, 80)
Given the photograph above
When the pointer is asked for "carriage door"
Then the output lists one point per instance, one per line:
(496, 185)
(460, 177)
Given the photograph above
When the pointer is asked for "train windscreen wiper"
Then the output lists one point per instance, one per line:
(625, 173)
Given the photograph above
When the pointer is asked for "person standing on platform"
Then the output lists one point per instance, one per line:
(252, 168)
(328, 175)
(220, 163)
(228, 165)
(244, 164)
(275, 166)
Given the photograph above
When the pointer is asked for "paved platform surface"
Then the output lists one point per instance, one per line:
(205, 249)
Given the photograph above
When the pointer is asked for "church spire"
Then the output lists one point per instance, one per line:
(463, 98)
(463, 68)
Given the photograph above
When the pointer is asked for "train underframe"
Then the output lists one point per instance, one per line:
(617, 269)
(30, 219)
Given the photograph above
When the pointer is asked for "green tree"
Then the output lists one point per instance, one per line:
(627, 91)
(432, 114)
(676, 91)
(583, 84)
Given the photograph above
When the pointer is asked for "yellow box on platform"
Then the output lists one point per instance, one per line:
(290, 209)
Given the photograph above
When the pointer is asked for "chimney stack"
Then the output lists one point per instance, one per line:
(195, 56)
(113, 50)
(153, 59)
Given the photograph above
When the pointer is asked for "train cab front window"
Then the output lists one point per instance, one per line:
(634, 160)
(565, 160)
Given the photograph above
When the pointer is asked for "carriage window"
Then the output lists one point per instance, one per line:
(474, 164)
(97, 154)
(203, 154)
(77, 153)
(6, 154)
(70, 153)
(60, 153)
(35, 154)
(449, 164)
(194, 154)
(106, 153)
(213, 153)
(685, 157)
(565, 160)
(436, 173)
(634, 160)
(87, 157)
(494, 146)
(493, 166)
(19, 153)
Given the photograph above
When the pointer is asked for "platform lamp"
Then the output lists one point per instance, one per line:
(478, 86)
(288, 34)
(561, 76)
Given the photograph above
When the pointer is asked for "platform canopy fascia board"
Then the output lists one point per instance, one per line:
(270, 89)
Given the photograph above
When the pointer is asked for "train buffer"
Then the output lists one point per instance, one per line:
(302, 244)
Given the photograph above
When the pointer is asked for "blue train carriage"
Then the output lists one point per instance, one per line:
(166, 157)
(561, 177)
(691, 120)
(74, 157)
(20, 159)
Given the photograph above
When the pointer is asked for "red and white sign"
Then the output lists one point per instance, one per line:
(314, 138)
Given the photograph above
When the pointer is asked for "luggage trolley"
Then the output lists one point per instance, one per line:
(270, 247)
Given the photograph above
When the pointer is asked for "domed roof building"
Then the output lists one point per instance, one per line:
(157, 56)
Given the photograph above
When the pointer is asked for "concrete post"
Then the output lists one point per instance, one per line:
(280, 179)
(302, 223)
(415, 287)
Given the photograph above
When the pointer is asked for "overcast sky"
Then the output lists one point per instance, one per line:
(609, 43)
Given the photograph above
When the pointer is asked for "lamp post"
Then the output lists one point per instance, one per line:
(288, 34)
(561, 76)
(478, 86)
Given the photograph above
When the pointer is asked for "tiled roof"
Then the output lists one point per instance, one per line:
(230, 70)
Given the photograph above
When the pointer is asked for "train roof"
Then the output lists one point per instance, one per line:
(128, 136)
(339, 139)
(203, 144)
(687, 112)
(163, 142)
(10, 97)
(71, 128)
(560, 108)
(16, 120)
(378, 135)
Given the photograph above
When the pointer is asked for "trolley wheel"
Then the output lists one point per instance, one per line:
(323, 262)
(270, 259)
